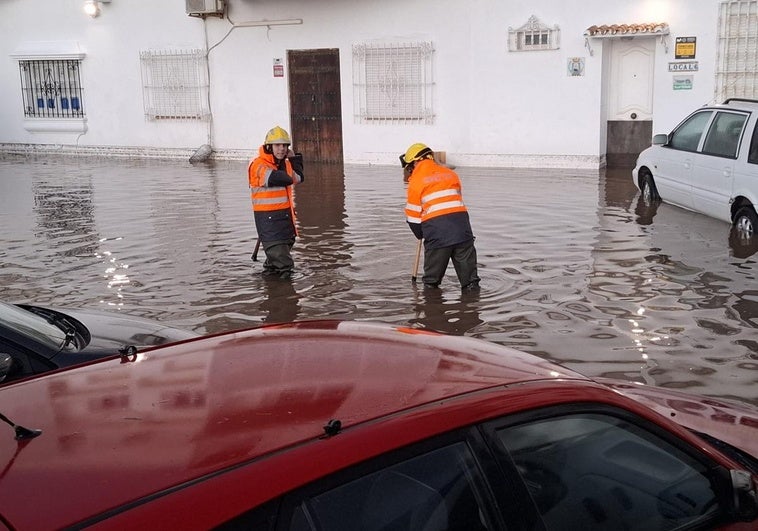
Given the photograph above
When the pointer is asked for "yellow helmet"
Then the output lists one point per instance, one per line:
(416, 152)
(277, 135)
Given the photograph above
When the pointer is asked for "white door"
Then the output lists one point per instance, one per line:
(631, 79)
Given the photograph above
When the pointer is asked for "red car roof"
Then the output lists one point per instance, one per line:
(116, 430)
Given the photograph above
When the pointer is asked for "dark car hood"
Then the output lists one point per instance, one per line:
(111, 331)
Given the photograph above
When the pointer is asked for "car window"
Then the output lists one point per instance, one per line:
(25, 362)
(31, 325)
(753, 154)
(597, 471)
(687, 136)
(434, 491)
(723, 137)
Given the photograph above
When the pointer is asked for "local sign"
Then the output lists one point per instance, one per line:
(683, 66)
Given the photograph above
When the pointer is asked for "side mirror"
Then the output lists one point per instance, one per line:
(660, 140)
(6, 364)
(744, 496)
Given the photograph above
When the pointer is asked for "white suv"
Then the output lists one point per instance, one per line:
(708, 164)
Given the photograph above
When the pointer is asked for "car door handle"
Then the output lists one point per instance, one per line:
(687, 165)
(727, 172)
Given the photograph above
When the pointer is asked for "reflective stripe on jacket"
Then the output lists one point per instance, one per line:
(268, 199)
(434, 209)
(265, 197)
(433, 190)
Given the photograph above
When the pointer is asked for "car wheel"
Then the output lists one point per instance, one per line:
(649, 192)
(746, 221)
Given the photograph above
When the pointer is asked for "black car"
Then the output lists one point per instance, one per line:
(34, 340)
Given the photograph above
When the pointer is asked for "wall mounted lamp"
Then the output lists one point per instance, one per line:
(92, 7)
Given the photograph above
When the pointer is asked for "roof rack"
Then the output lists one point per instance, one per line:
(746, 100)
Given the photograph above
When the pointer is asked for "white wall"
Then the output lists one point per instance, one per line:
(493, 108)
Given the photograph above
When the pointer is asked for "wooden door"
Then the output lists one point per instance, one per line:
(315, 104)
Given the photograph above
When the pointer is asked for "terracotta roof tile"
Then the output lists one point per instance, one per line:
(607, 30)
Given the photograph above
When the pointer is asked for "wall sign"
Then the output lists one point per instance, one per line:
(278, 67)
(685, 48)
(682, 83)
(683, 66)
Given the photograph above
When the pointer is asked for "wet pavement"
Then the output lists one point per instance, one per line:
(574, 267)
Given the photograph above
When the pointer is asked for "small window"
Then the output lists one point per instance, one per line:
(597, 471)
(175, 84)
(393, 83)
(687, 136)
(724, 134)
(532, 36)
(51, 88)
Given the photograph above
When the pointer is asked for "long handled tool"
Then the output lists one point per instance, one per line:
(415, 263)
(255, 251)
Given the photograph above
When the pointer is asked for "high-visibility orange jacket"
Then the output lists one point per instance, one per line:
(273, 197)
(435, 210)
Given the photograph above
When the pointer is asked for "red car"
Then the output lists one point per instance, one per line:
(353, 425)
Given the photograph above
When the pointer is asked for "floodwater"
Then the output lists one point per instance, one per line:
(574, 267)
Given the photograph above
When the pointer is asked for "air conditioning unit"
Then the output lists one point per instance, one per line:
(204, 8)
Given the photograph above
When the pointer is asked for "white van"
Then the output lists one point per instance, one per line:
(708, 164)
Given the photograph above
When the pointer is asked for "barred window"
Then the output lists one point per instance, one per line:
(392, 83)
(737, 63)
(51, 88)
(533, 35)
(175, 84)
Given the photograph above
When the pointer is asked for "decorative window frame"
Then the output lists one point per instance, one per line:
(392, 83)
(175, 84)
(63, 54)
(533, 36)
(736, 73)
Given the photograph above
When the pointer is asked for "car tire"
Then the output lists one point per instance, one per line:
(648, 189)
(746, 221)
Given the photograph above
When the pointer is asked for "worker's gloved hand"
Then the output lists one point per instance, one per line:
(297, 162)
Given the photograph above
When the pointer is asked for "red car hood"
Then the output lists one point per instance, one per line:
(728, 421)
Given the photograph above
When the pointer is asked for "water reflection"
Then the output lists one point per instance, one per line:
(574, 267)
(281, 302)
(457, 315)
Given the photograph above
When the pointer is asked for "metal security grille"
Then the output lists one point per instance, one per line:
(51, 89)
(393, 83)
(175, 84)
(737, 67)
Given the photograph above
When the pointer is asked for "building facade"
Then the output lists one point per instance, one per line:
(491, 83)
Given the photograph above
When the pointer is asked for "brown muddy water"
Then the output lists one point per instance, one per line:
(574, 268)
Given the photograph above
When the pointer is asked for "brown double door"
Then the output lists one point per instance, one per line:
(315, 104)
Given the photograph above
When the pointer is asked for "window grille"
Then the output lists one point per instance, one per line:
(175, 84)
(737, 65)
(51, 88)
(534, 35)
(392, 83)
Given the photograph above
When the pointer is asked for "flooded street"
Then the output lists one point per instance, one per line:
(574, 268)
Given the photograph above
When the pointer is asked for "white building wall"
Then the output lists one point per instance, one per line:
(493, 107)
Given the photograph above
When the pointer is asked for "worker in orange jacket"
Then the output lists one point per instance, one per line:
(435, 212)
(272, 175)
